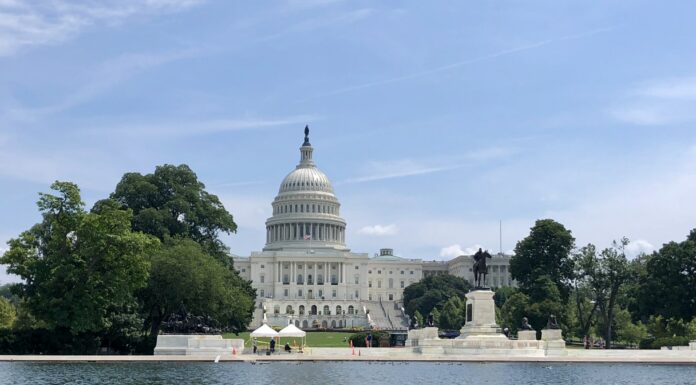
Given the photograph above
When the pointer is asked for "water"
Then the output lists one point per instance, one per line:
(343, 373)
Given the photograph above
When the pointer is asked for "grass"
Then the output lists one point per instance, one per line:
(314, 339)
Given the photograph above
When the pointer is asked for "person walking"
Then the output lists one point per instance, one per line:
(272, 345)
(254, 344)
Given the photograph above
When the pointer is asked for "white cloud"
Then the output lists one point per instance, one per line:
(39, 22)
(198, 127)
(398, 169)
(379, 230)
(658, 102)
(456, 250)
(638, 247)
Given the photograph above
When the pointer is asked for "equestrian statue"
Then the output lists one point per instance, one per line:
(480, 268)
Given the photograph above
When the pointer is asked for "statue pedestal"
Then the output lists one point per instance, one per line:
(553, 341)
(526, 335)
(480, 316)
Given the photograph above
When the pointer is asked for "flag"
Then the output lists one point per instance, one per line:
(307, 237)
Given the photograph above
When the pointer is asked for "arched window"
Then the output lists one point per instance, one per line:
(301, 309)
(339, 311)
(333, 324)
(351, 309)
(313, 310)
(276, 309)
(299, 279)
(327, 310)
(288, 310)
(297, 323)
(305, 324)
(309, 279)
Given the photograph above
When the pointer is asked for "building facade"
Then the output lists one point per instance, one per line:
(307, 275)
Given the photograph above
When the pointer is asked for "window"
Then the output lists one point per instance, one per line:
(402, 284)
(261, 293)
(333, 293)
(285, 293)
(262, 278)
(402, 272)
(357, 279)
(299, 292)
(390, 271)
(391, 297)
(276, 309)
(369, 283)
(379, 271)
(411, 272)
(321, 293)
(357, 294)
(243, 270)
(286, 279)
(379, 284)
(369, 272)
(262, 266)
(356, 267)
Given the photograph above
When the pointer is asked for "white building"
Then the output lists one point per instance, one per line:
(307, 275)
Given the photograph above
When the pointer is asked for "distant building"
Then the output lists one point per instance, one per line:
(306, 274)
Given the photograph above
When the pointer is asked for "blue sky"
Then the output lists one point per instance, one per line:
(434, 120)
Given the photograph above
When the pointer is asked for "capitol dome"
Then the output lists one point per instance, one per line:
(306, 210)
(306, 179)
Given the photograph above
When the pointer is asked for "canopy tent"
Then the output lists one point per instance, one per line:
(264, 331)
(293, 331)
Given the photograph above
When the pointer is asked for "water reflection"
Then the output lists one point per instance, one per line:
(345, 373)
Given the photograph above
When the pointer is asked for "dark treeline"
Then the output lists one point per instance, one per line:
(146, 259)
(648, 301)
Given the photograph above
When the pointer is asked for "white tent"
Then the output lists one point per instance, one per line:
(264, 331)
(291, 331)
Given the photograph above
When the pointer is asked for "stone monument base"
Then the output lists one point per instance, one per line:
(553, 341)
(195, 345)
(480, 317)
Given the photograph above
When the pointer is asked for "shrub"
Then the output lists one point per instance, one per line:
(670, 341)
(359, 338)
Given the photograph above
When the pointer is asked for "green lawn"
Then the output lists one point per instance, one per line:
(314, 339)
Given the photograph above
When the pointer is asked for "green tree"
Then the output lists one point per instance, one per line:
(502, 294)
(433, 292)
(436, 316)
(76, 266)
(171, 203)
(513, 310)
(585, 264)
(452, 315)
(545, 251)
(610, 274)
(185, 278)
(626, 330)
(418, 318)
(8, 313)
(669, 285)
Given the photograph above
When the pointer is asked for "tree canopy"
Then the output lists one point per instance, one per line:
(76, 266)
(186, 279)
(172, 202)
(545, 251)
(433, 292)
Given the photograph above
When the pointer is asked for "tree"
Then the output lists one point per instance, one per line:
(513, 310)
(8, 314)
(184, 278)
(418, 319)
(546, 251)
(452, 315)
(173, 203)
(669, 288)
(585, 264)
(611, 273)
(77, 266)
(433, 292)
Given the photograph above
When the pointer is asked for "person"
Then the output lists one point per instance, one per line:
(586, 342)
(272, 345)
(254, 344)
(287, 347)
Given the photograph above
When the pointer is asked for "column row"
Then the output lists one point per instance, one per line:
(305, 231)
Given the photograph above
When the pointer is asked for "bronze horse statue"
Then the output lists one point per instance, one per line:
(480, 268)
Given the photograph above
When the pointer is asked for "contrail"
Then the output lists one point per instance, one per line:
(451, 66)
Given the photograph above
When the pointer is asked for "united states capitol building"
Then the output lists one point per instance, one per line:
(307, 275)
